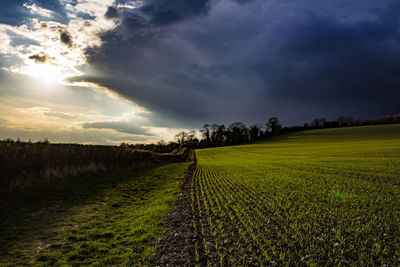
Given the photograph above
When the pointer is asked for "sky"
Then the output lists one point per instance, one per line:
(112, 71)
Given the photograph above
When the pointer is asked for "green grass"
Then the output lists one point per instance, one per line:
(324, 197)
(104, 218)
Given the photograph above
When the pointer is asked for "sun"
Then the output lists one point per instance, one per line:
(46, 72)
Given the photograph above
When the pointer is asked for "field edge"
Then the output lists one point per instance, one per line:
(175, 247)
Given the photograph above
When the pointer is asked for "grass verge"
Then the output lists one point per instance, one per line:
(104, 218)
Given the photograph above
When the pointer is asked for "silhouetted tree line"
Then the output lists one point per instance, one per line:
(214, 135)
(342, 121)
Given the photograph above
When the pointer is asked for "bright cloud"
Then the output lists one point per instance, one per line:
(4, 42)
(50, 47)
(35, 10)
(63, 44)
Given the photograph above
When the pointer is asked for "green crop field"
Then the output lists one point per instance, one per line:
(324, 197)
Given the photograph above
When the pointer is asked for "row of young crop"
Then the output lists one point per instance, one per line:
(232, 223)
(293, 214)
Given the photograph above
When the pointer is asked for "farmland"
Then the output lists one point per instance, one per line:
(325, 197)
(319, 197)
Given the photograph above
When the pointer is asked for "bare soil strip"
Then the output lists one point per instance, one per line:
(175, 247)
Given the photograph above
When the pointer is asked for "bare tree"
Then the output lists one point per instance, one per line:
(238, 133)
(318, 122)
(206, 133)
(181, 138)
(255, 131)
(273, 125)
(345, 121)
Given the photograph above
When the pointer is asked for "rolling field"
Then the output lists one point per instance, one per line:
(325, 197)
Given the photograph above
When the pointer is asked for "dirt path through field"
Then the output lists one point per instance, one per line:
(175, 247)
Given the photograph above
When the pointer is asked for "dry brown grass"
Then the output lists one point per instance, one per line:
(24, 163)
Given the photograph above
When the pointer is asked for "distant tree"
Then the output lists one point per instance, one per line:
(206, 133)
(221, 135)
(191, 136)
(213, 133)
(340, 121)
(161, 143)
(192, 140)
(345, 121)
(187, 139)
(255, 132)
(218, 134)
(349, 120)
(45, 141)
(273, 125)
(181, 138)
(396, 118)
(317, 123)
(330, 124)
(124, 145)
(238, 133)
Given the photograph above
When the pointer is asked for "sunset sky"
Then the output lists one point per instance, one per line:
(106, 72)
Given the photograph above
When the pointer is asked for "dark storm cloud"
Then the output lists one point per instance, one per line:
(155, 13)
(324, 60)
(182, 99)
(111, 13)
(66, 38)
(118, 126)
(242, 1)
(165, 12)
(162, 12)
(197, 62)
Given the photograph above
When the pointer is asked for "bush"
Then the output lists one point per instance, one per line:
(23, 162)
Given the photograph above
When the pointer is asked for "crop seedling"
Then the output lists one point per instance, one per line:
(323, 197)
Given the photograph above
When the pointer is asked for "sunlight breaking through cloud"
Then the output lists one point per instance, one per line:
(50, 46)
(63, 44)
